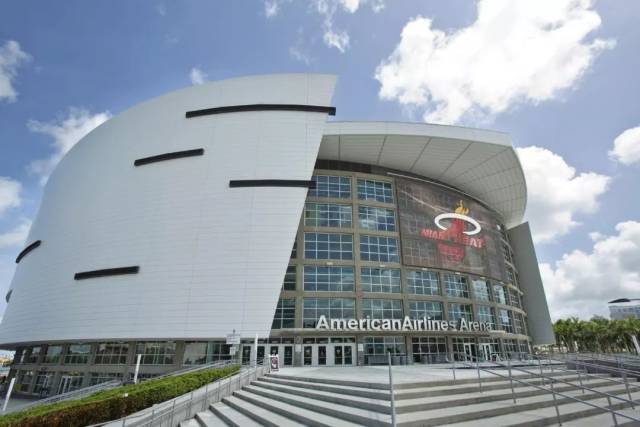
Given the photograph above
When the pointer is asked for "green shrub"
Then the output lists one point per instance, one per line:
(111, 404)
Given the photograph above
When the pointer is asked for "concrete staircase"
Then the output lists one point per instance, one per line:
(282, 400)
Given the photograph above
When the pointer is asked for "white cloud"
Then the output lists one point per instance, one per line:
(9, 194)
(556, 193)
(271, 8)
(66, 132)
(299, 55)
(11, 58)
(626, 147)
(197, 76)
(327, 9)
(17, 236)
(516, 51)
(161, 9)
(581, 283)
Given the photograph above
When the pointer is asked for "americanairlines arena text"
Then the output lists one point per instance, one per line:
(243, 207)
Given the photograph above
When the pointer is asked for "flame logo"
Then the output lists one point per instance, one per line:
(460, 209)
(460, 216)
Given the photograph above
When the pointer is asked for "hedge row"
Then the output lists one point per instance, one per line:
(112, 404)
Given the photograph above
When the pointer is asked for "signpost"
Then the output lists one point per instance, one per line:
(135, 375)
(6, 399)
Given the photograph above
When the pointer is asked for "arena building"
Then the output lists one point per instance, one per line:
(236, 208)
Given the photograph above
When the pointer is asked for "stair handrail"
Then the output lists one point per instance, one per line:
(612, 369)
(582, 387)
(553, 392)
(574, 358)
(611, 379)
(159, 417)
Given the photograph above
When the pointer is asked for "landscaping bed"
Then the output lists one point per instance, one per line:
(112, 404)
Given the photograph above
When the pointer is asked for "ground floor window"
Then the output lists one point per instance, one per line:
(70, 381)
(464, 349)
(429, 349)
(201, 353)
(43, 383)
(510, 347)
(377, 348)
(157, 353)
(24, 380)
(489, 349)
(524, 347)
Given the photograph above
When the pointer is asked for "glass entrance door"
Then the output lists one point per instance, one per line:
(469, 352)
(307, 355)
(322, 355)
(69, 383)
(343, 354)
(288, 355)
(485, 351)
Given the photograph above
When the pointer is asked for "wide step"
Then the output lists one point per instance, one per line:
(228, 416)
(306, 411)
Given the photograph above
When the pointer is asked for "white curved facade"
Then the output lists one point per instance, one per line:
(190, 233)
(212, 256)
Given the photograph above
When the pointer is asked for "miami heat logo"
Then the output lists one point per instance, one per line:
(459, 217)
(460, 229)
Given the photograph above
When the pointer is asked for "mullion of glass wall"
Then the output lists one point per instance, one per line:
(289, 283)
(429, 309)
(328, 246)
(331, 308)
(329, 186)
(111, 353)
(285, 314)
(379, 191)
(382, 308)
(327, 215)
(459, 311)
(422, 282)
(378, 248)
(429, 349)
(456, 285)
(328, 279)
(379, 219)
(384, 280)
(486, 314)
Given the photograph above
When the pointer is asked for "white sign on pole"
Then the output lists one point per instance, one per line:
(233, 339)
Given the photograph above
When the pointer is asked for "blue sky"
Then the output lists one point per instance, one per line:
(559, 75)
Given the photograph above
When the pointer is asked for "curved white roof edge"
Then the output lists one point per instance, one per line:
(481, 163)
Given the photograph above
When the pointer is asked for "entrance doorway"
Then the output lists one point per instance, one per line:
(469, 352)
(485, 351)
(329, 352)
(69, 383)
(282, 347)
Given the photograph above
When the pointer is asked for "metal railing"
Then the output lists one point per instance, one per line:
(551, 380)
(624, 373)
(623, 362)
(194, 368)
(173, 411)
(70, 395)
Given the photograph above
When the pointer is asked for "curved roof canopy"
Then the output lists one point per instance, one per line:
(480, 163)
